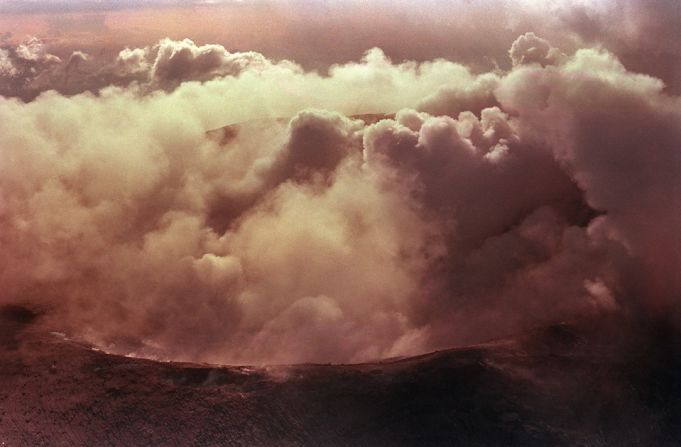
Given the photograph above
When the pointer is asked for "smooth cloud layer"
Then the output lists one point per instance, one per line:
(468, 206)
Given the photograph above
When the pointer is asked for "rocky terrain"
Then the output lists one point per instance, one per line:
(563, 385)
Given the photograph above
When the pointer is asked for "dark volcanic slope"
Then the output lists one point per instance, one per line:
(554, 386)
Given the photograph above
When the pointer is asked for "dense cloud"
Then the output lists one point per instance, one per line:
(28, 69)
(381, 209)
(169, 63)
(619, 135)
(529, 48)
(643, 34)
(26, 66)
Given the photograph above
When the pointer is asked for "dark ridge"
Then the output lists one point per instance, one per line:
(225, 134)
(600, 382)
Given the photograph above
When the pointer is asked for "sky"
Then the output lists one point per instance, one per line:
(301, 181)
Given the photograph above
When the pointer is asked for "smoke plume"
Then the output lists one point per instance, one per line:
(377, 209)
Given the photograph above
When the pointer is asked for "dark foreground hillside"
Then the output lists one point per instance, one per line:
(563, 385)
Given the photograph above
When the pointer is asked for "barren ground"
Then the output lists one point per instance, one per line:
(563, 385)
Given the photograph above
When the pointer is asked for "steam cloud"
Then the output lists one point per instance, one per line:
(380, 209)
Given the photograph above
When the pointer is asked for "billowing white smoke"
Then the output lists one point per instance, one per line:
(24, 66)
(170, 62)
(486, 204)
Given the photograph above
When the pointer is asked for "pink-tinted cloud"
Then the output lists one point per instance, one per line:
(465, 206)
